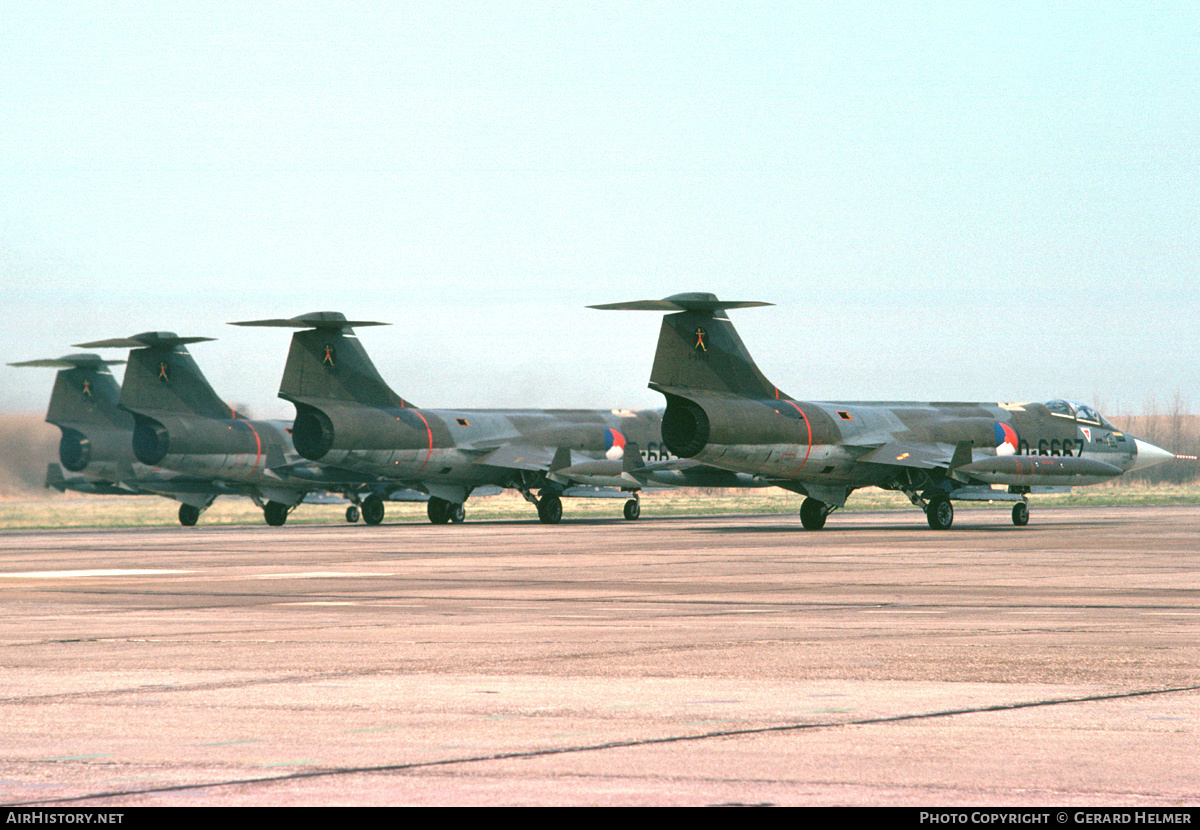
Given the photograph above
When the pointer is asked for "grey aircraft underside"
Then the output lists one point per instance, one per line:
(722, 411)
(347, 417)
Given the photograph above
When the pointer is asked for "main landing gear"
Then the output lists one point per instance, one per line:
(939, 513)
(189, 514)
(813, 513)
(275, 513)
(549, 508)
(441, 511)
(547, 502)
(372, 509)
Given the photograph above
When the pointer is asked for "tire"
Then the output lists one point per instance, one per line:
(813, 514)
(1020, 514)
(458, 514)
(550, 510)
(438, 510)
(372, 510)
(275, 513)
(188, 515)
(940, 513)
(352, 513)
(633, 509)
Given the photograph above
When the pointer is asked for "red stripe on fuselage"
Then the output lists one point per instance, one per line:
(257, 445)
(809, 450)
(429, 432)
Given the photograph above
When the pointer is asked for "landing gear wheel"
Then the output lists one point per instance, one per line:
(458, 514)
(372, 510)
(275, 513)
(813, 514)
(1020, 514)
(550, 510)
(633, 509)
(940, 513)
(438, 510)
(352, 513)
(188, 515)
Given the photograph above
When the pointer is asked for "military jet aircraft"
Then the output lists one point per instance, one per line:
(178, 423)
(348, 418)
(722, 411)
(96, 448)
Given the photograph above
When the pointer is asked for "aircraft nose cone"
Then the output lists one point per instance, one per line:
(1148, 455)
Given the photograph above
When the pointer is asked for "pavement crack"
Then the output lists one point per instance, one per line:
(624, 744)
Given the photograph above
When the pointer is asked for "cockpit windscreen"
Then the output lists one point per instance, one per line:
(1077, 411)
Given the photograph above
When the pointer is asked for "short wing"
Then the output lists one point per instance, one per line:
(910, 454)
(520, 457)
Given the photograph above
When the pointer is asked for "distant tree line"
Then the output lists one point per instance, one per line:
(1170, 427)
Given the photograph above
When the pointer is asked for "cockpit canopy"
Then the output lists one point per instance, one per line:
(1077, 412)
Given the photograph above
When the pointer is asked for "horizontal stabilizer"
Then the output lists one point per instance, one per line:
(692, 301)
(698, 348)
(145, 340)
(70, 361)
(312, 320)
(163, 377)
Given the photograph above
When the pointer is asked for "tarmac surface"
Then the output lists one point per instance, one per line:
(680, 661)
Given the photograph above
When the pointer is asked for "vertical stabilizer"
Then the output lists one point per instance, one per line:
(163, 377)
(85, 391)
(326, 362)
(698, 347)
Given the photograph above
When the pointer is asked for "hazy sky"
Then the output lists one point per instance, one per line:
(944, 200)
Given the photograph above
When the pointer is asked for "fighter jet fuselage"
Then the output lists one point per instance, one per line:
(722, 411)
(349, 418)
(827, 441)
(455, 445)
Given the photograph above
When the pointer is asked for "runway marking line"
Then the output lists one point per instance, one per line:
(98, 572)
(321, 575)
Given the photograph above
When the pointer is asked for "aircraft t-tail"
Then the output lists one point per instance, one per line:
(722, 411)
(347, 417)
(95, 432)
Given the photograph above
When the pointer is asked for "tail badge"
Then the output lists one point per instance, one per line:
(328, 355)
(701, 340)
